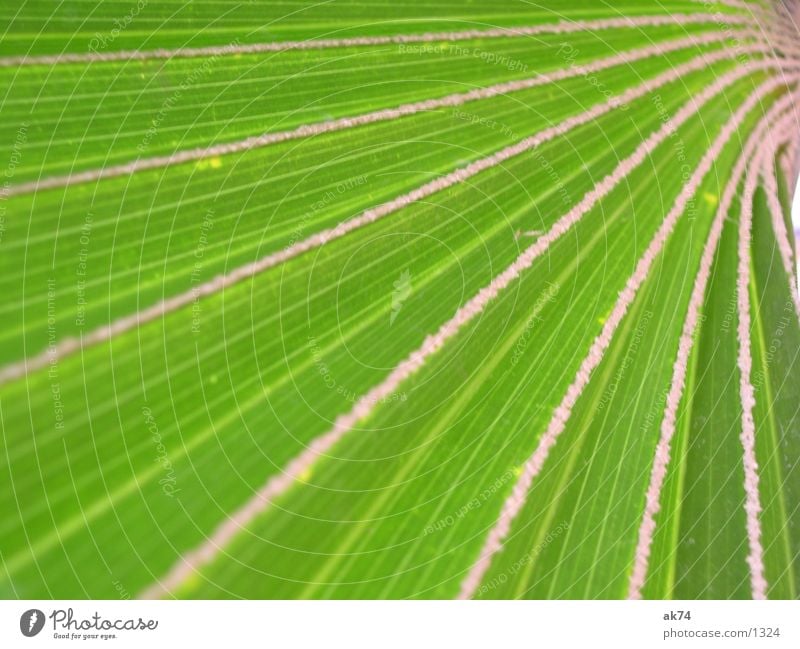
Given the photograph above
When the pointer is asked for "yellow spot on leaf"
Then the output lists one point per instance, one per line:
(711, 199)
(212, 163)
(190, 583)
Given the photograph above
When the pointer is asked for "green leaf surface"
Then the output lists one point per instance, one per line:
(122, 456)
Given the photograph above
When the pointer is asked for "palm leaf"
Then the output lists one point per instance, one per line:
(345, 300)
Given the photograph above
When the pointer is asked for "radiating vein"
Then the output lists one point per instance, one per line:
(768, 172)
(686, 344)
(560, 27)
(277, 485)
(561, 415)
(69, 346)
(789, 161)
(385, 114)
(752, 506)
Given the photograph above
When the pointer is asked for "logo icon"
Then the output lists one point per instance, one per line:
(31, 622)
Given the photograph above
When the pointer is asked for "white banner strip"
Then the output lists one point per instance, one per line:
(400, 624)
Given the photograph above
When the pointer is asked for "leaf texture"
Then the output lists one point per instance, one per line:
(369, 300)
